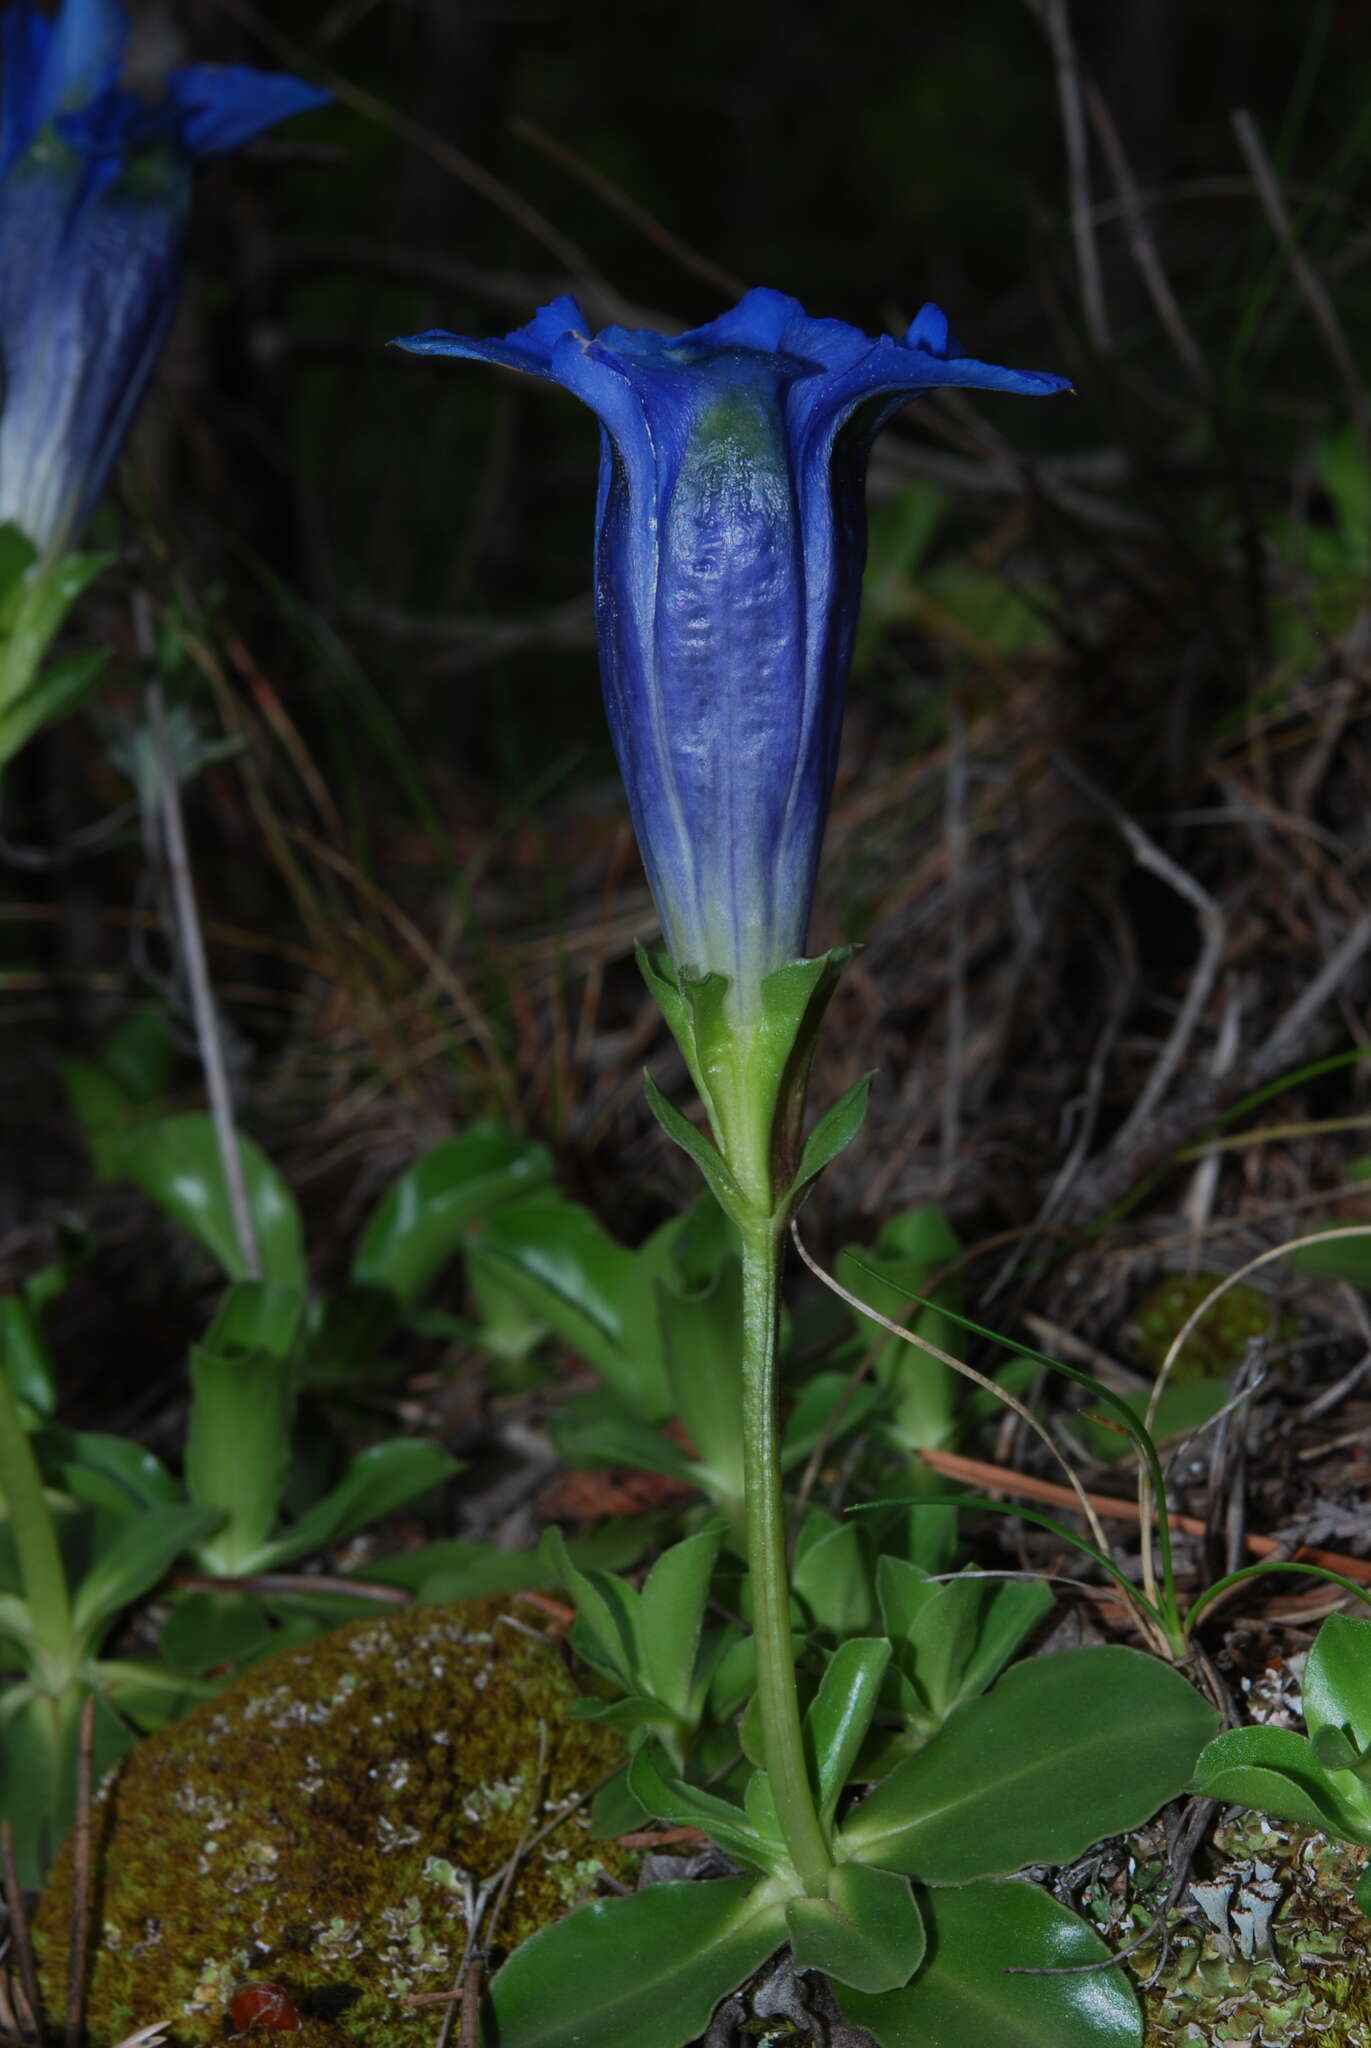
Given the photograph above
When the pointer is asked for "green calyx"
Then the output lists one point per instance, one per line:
(752, 1078)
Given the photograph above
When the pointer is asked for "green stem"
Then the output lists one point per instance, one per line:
(782, 1740)
(41, 1571)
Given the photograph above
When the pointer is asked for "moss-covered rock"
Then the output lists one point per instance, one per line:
(1218, 1343)
(324, 1824)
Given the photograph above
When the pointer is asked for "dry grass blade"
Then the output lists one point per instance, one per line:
(1311, 285)
(1182, 1336)
(1081, 1498)
(436, 147)
(1056, 24)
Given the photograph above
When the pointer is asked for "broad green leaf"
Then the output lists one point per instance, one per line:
(1010, 1611)
(102, 1110)
(606, 1610)
(634, 1712)
(238, 1451)
(921, 1393)
(840, 1714)
(968, 1994)
(147, 1694)
(208, 1629)
(671, 1610)
(1273, 1770)
(1337, 1679)
(903, 1590)
(16, 1623)
(1066, 1749)
(175, 1161)
(598, 1430)
(256, 1316)
(24, 1356)
(142, 1478)
(831, 1579)
(816, 1414)
(558, 1260)
(701, 1338)
(141, 1554)
(867, 1933)
(641, 1972)
(141, 1055)
(378, 1481)
(38, 1771)
(940, 1643)
(1344, 1258)
(419, 1224)
(459, 1569)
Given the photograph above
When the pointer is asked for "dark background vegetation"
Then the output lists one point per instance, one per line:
(1085, 620)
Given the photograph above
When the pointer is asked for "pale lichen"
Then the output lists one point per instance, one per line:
(310, 1827)
(1266, 1949)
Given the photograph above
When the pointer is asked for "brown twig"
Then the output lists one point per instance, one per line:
(19, 1931)
(1024, 1486)
(296, 1582)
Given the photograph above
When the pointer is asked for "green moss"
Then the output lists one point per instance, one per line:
(1218, 1343)
(322, 1825)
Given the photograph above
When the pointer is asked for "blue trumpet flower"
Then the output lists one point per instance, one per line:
(95, 187)
(730, 544)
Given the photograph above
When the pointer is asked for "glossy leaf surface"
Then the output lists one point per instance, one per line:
(1274, 1770)
(867, 1933)
(379, 1480)
(1337, 1679)
(238, 1450)
(965, 1996)
(419, 1223)
(641, 1972)
(175, 1161)
(1065, 1750)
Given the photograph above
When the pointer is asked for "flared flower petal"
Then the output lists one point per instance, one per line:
(95, 185)
(730, 541)
(222, 106)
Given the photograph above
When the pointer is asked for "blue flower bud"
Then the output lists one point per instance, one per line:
(94, 192)
(730, 543)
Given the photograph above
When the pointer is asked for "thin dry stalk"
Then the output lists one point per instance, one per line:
(77, 1941)
(1142, 247)
(1182, 1337)
(19, 1933)
(194, 961)
(1056, 25)
(436, 147)
(1310, 284)
(1213, 938)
